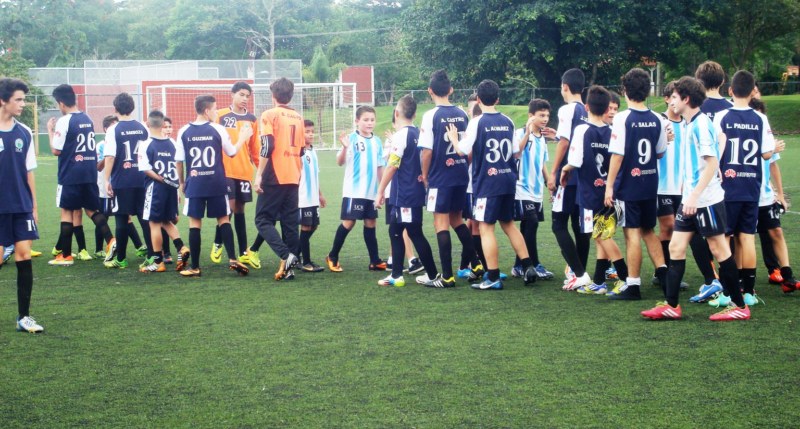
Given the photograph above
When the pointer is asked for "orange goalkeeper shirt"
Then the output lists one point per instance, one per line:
(285, 125)
(240, 166)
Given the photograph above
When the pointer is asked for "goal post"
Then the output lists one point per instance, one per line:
(328, 105)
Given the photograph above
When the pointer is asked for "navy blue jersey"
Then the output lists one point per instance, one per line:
(712, 106)
(408, 189)
(569, 117)
(489, 137)
(74, 137)
(447, 168)
(123, 141)
(588, 152)
(747, 136)
(17, 158)
(161, 156)
(639, 136)
(203, 144)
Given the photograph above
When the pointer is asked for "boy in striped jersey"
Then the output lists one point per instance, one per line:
(310, 199)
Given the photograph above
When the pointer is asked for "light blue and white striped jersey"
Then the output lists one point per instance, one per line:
(309, 179)
(363, 158)
(530, 184)
(670, 177)
(701, 141)
(767, 191)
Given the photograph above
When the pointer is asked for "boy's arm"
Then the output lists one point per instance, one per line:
(385, 180)
(777, 180)
(425, 162)
(561, 151)
(613, 169)
(342, 154)
(252, 144)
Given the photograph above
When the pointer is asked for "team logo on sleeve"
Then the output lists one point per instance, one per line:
(730, 173)
(492, 172)
(636, 172)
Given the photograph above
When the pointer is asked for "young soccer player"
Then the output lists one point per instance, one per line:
(489, 139)
(712, 76)
(310, 198)
(125, 183)
(445, 173)
(161, 160)
(239, 171)
(167, 131)
(638, 139)
(465, 271)
(362, 156)
(613, 108)
(407, 198)
(702, 210)
(278, 177)
(205, 185)
(72, 141)
(18, 211)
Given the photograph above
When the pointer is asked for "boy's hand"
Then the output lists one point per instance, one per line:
(246, 131)
(345, 142)
(322, 202)
(551, 183)
(670, 133)
(549, 133)
(608, 201)
(690, 205)
(564, 177)
(109, 190)
(379, 201)
(452, 134)
(529, 125)
(257, 186)
(51, 125)
(388, 136)
(780, 145)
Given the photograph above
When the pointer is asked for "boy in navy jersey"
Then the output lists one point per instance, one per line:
(18, 212)
(407, 196)
(72, 141)
(712, 76)
(638, 139)
(310, 199)
(161, 160)
(205, 185)
(465, 271)
(490, 140)
(745, 138)
(124, 181)
(445, 173)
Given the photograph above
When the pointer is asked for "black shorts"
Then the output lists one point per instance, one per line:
(448, 199)
(638, 214)
(528, 210)
(708, 221)
(668, 205)
(278, 203)
(212, 207)
(587, 220)
(128, 201)
(565, 200)
(309, 216)
(240, 190)
(405, 215)
(742, 217)
(76, 197)
(160, 203)
(358, 209)
(107, 206)
(769, 217)
(494, 209)
(466, 212)
(16, 227)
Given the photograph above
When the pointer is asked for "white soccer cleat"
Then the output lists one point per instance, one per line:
(27, 324)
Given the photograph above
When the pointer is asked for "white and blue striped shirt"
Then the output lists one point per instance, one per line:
(670, 177)
(530, 184)
(363, 158)
(701, 141)
(767, 192)
(309, 179)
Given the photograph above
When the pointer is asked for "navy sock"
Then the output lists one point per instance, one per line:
(122, 236)
(371, 240)
(445, 253)
(338, 242)
(729, 277)
(101, 222)
(674, 276)
(622, 269)
(600, 271)
(226, 234)
(66, 239)
(305, 245)
(748, 276)
(24, 287)
(133, 235)
(665, 249)
(241, 232)
(194, 246)
(80, 238)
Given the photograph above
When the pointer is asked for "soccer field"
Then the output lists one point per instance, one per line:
(124, 349)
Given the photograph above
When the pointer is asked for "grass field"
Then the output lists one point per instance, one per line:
(124, 349)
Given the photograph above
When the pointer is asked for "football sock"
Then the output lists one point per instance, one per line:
(674, 276)
(178, 244)
(98, 240)
(600, 271)
(568, 251)
(661, 275)
(729, 277)
(257, 243)
(622, 269)
(338, 242)
(445, 253)
(476, 240)
(66, 239)
(101, 222)
(241, 232)
(423, 249)
(494, 275)
(529, 231)
(665, 250)
(702, 257)
(305, 245)
(582, 245)
(768, 251)
(398, 246)
(748, 276)
(24, 287)
(194, 246)
(371, 241)
(786, 273)
(467, 245)
(157, 258)
(80, 238)
(526, 263)
(165, 241)
(634, 281)
(122, 236)
(133, 235)
(226, 234)
(146, 233)
(217, 238)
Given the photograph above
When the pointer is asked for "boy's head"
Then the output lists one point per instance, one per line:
(365, 120)
(440, 84)
(282, 90)
(476, 110)
(688, 93)
(636, 84)
(309, 131)
(406, 107)
(109, 121)
(65, 95)
(206, 105)
(758, 105)
(710, 74)
(167, 130)
(240, 94)
(539, 110)
(613, 108)
(12, 96)
(488, 92)
(472, 101)
(597, 100)
(155, 120)
(572, 81)
(123, 104)
(669, 88)
(743, 84)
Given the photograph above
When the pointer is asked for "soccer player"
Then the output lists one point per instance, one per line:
(310, 198)
(18, 211)
(125, 183)
(161, 160)
(72, 141)
(278, 177)
(465, 271)
(613, 108)
(362, 156)
(205, 186)
(445, 173)
(167, 131)
(702, 210)
(712, 76)
(239, 171)
(638, 139)
(745, 137)
(407, 198)
(489, 139)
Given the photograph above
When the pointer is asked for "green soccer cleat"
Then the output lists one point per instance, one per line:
(142, 251)
(251, 258)
(100, 254)
(216, 253)
(116, 263)
(84, 255)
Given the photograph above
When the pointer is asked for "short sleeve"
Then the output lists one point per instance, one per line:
(227, 145)
(144, 161)
(426, 130)
(180, 154)
(767, 139)
(707, 139)
(381, 159)
(60, 133)
(661, 145)
(565, 114)
(617, 143)
(575, 152)
(30, 157)
(466, 143)
(110, 141)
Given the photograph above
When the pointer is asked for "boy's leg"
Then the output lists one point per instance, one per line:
(338, 241)
(122, 236)
(747, 258)
(156, 241)
(398, 247)
(66, 232)
(489, 243)
(656, 253)
(194, 241)
(148, 238)
(677, 255)
(226, 235)
(702, 256)
(133, 234)
(728, 273)
(441, 222)
(306, 231)
(371, 240)
(22, 257)
(464, 235)
(423, 249)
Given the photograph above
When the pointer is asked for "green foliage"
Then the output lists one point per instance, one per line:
(319, 70)
(14, 66)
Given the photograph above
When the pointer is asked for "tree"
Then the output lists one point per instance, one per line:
(15, 66)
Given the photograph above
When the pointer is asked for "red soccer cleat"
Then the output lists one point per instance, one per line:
(775, 277)
(662, 310)
(731, 313)
(790, 285)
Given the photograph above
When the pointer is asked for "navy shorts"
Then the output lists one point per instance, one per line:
(405, 215)
(240, 190)
(128, 201)
(76, 197)
(587, 219)
(448, 199)
(358, 209)
(769, 217)
(160, 203)
(309, 216)
(638, 214)
(528, 210)
(742, 217)
(15, 227)
(494, 209)
(212, 207)
(708, 221)
(466, 212)
(668, 205)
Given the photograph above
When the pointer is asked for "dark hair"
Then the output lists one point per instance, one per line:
(688, 86)
(710, 74)
(597, 100)
(168, 119)
(538, 104)
(308, 123)
(636, 84)
(364, 109)
(614, 98)
(476, 110)
(282, 89)
(155, 119)
(109, 121)
(407, 106)
(241, 85)
(440, 83)
(574, 79)
(9, 86)
(124, 104)
(488, 92)
(669, 88)
(743, 83)
(472, 97)
(758, 104)
(203, 102)
(64, 94)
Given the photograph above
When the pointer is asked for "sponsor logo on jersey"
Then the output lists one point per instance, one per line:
(492, 172)
(193, 173)
(599, 183)
(636, 172)
(78, 158)
(730, 173)
(450, 162)
(126, 165)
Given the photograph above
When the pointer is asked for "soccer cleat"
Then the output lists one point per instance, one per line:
(216, 253)
(255, 258)
(619, 286)
(593, 289)
(148, 261)
(292, 261)
(100, 254)
(283, 268)
(239, 267)
(183, 259)
(27, 324)
(111, 250)
(142, 251)
(790, 285)
(391, 281)
(289, 275)
(55, 252)
(707, 292)
(663, 311)
(627, 293)
(568, 274)
(775, 277)
(334, 267)
(415, 267)
(167, 257)
(575, 282)
(720, 301)
(731, 313)
(542, 272)
(35, 253)
(423, 279)
(488, 285)
(245, 258)
(310, 267)
(517, 271)
(530, 276)
(752, 299)
(7, 252)
(503, 276)
(84, 255)
(61, 261)
(191, 272)
(440, 282)
(464, 273)
(611, 274)
(378, 266)
(477, 272)
(153, 268)
(116, 263)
